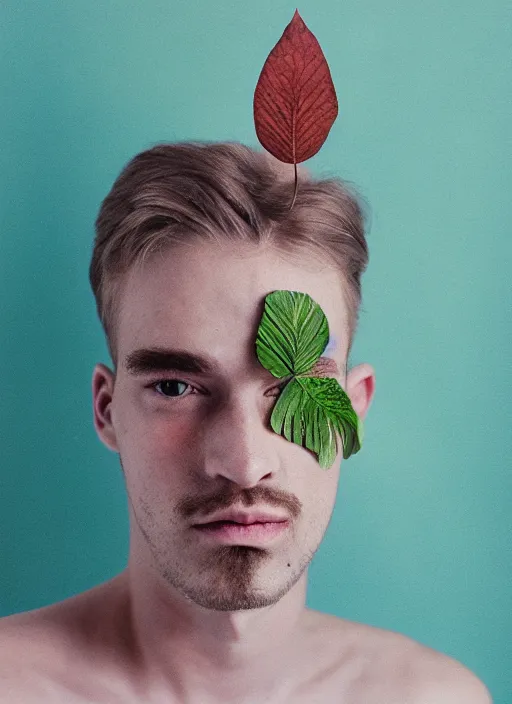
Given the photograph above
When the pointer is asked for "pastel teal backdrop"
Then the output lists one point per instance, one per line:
(420, 539)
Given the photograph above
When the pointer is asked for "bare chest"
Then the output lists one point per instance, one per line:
(330, 682)
(334, 666)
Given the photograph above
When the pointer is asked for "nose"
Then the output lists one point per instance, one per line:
(239, 443)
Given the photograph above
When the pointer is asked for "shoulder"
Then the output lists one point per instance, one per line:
(429, 676)
(410, 671)
(45, 652)
(65, 652)
(444, 680)
(25, 650)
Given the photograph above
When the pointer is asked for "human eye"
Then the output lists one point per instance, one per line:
(168, 387)
(165, 387)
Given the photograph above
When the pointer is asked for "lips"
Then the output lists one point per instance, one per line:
(219, 524)
(231, 533)
(244, 518)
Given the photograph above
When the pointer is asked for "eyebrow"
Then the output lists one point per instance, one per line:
(159, 359)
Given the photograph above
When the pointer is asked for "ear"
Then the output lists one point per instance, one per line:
(360, 388)
(103, 380)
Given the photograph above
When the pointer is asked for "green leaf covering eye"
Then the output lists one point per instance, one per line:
(312, 410)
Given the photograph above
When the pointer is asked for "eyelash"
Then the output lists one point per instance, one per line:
(154, 384)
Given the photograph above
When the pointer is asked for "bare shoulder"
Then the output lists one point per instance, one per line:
(36, 648)
(439, 678)
(26, 649)
(408, 670)
(44, 652)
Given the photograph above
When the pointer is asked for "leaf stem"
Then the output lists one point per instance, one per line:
(295, 186)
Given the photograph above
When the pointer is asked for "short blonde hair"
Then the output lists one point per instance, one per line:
(184, 193)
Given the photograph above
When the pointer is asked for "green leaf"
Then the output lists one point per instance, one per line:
(310, 411)
(292, 335)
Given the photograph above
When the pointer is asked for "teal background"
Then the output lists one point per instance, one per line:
(420, 538)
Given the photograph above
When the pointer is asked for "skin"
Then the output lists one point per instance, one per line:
(190, 620)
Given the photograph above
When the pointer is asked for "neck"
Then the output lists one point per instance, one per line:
(184, 650)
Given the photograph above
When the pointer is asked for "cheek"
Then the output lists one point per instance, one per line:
(322, 488)
(169, 440)
(157, 457)
(157, 448)
(144, 430)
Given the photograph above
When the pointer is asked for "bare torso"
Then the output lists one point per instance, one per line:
(73, 653)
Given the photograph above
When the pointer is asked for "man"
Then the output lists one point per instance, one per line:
(190, 241)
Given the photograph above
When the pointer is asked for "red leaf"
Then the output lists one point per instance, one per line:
(295, 102)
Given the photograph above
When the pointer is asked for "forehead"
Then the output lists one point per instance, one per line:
(209, 299)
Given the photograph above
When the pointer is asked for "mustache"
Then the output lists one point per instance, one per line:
(246, 498)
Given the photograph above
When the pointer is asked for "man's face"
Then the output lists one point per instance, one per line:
(198, 443)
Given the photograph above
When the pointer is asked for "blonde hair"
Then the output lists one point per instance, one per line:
(184, 193)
